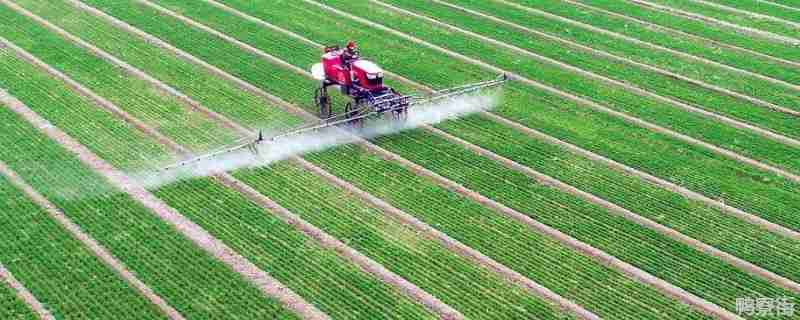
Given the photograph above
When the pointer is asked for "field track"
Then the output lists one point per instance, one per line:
(544, 221)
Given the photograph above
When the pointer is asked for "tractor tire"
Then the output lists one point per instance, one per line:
(323, 102)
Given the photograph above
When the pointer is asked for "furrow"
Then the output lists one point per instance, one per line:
(472, 254)
(325, 240)
(190, 58)
(24, 294)
(638, 42)
(735, 261)
(700, 17)
(707, 114)
(260, 279)
(80, 89)
(188, 102)
(631, 119)
(749, 13)
(97, 249)
(679, 33)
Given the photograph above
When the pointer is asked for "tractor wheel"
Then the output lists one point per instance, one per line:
(351, 111)
(323, 102)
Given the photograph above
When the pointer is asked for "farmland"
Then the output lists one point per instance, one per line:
(642, 163)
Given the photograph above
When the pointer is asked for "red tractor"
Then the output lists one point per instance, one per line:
(361, 80)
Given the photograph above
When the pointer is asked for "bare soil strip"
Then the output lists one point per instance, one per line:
(186, 101)
(327, 241)
(707, 114)
(216, 248)
(749, 13)
(699, 17)
(24, 294)
(680, 33)
(637, 274)
(628, 215)
(631, 119)
(632, 62)
(572, 148)
(99, 251)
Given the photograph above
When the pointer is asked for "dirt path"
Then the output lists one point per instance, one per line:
(684, 106)
(25, 295)
(648, 67)
(782, 6)
(216, 248)
(631, 119)
(96, 248)
(735, 27)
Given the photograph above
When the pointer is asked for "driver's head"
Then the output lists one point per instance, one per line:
(351, 46)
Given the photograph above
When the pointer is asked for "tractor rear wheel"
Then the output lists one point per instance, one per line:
(323, 102)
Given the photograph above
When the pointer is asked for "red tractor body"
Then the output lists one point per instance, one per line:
(360, 79)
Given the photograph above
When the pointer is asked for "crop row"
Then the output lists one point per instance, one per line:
(188, 279)
(12, 307)
(27, 82)
(691, 218)
(636, 30)
(335, 286)
(457, 282)
(734, 17)
(700, 28)
(129, 93)
(574, 276)
(654, 82)
(177, 197)
(238, 26)
(616, 98)
(55, 267)
(636, 292)
(690, 166)
(214, 93)
(705, 276)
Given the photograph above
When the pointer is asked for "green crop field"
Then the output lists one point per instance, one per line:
(641, 162)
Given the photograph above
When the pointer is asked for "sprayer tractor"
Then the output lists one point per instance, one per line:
(361, 81)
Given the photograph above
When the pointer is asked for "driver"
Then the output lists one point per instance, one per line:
(350, 54)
